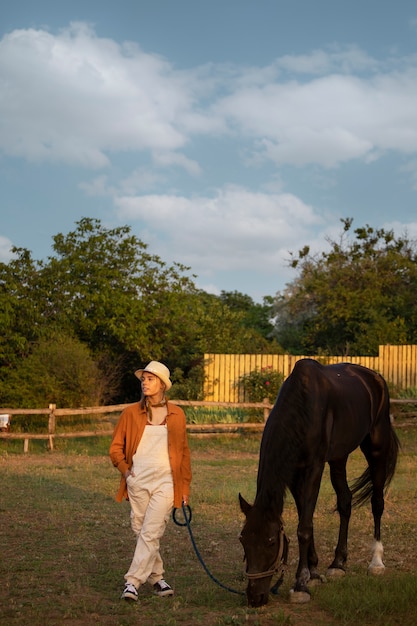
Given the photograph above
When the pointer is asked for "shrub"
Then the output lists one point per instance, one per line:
(259, 384)
(59, 370)
(190, 386)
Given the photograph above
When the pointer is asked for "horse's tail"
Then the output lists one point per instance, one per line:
(362, 487)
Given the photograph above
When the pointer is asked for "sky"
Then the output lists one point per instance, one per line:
(226, 134)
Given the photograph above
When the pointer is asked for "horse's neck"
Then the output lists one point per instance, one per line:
(270, 496)
(280, 450)
(276, 467)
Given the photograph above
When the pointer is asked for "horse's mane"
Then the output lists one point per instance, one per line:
(281, 443)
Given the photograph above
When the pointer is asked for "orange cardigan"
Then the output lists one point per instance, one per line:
(127, 435)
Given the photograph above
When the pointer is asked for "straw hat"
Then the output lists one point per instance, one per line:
(158, 369)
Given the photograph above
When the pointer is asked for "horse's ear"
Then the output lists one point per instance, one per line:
(245, 507)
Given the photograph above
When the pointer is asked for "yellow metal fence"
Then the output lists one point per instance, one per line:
(398, 365)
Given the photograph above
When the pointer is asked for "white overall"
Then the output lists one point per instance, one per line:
(151, 497)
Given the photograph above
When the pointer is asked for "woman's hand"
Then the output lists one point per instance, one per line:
(185, 500)
(128, 473)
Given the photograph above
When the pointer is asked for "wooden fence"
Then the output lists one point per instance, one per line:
(107, 425)
(398, 365)
(105, 411)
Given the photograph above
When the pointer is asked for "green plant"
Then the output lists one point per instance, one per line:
(190, 386)
(60, 370)
(259, 384)
(218, 415)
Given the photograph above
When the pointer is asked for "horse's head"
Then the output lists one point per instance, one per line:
(265, 546)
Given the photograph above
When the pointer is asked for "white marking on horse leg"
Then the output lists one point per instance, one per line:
(299, 597)
(335, 572)
(315, 582)
(376, 566)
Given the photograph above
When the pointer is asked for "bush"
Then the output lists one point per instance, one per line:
(408, 410)
(59, 370)
(218, 415)
(259, 384)
(188, 387)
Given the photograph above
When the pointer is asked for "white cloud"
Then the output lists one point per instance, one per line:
(165, 159)
(140, 180)
(78, 98)
(401, 229)
(234, 229)
(328, 120)
(97, 187)
(334, 60)
(410, 168)
(5, 249)
(75, 97)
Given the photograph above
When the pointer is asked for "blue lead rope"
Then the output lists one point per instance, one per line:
(188, 517)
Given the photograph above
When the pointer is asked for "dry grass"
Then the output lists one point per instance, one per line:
(66, 545)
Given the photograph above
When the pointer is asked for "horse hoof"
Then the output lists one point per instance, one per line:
(299, 597)
(335, 572)
(376, 570)
(314, 582)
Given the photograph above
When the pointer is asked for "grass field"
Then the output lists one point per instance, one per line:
(65, 543)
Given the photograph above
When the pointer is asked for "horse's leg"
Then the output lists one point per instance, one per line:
(344, 508)
(315, 576)
(305, 490)
(376, 461)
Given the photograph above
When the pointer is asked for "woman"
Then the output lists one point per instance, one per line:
(150, 449)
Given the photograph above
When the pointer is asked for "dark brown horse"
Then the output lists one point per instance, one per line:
(322, 414)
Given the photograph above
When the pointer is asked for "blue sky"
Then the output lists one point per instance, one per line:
(225, 133)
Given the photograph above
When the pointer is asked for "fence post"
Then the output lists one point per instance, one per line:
(51, 425)
(266, 408)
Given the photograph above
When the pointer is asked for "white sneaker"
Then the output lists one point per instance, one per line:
(129, 592)
(161, 588)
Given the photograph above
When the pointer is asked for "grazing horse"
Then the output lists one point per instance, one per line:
(322, 413)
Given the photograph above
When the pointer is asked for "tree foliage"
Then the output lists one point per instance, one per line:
(110, 306)
(352, 298)
(104, 285)
(101, 287)
(59, 370)
(20, 314)
(255, 316)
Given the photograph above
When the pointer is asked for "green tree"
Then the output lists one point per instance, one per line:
(254, 315)
(101, 286)
(352, 298)
(21, 316)
(124, 303)
(207, 325)
(59, 370)
(126, 306)
(105, 286)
